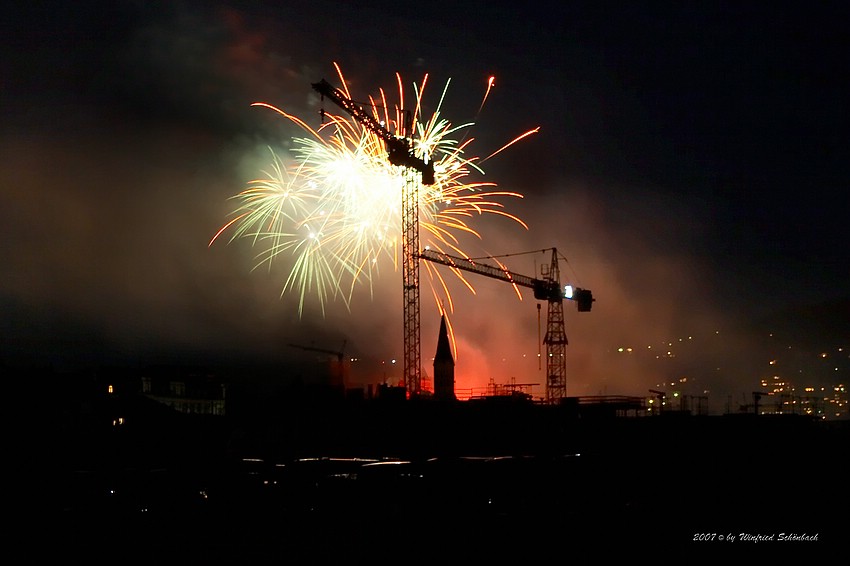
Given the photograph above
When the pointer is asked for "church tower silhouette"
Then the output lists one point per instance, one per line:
(444, 366)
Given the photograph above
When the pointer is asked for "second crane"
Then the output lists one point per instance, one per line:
(548, 288)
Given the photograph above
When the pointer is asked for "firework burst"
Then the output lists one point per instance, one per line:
(335, 210)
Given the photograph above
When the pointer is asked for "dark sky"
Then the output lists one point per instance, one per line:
(691, 166)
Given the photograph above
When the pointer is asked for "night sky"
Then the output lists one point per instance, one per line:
(691, 166)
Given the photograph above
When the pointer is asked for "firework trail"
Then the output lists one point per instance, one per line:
(490, 82)
(335, 210)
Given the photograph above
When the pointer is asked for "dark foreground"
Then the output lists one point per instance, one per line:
(457, 488)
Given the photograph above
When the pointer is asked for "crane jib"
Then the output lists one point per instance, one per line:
(544, 289)
(399, 150)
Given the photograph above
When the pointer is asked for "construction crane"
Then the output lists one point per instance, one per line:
(400, 152)
(757, 395)
(548, 288)
(339, 354)
(399, 148)
(338, 377)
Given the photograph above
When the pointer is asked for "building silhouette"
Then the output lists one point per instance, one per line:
(444, 366)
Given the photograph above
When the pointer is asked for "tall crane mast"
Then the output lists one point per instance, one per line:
(548, 288)
(400, 152)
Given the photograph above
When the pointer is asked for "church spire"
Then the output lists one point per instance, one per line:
(444, 365)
